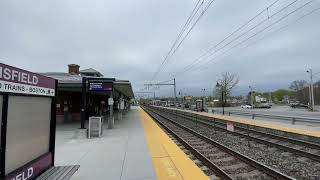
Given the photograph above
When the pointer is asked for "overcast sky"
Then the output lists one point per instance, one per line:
(128, 39)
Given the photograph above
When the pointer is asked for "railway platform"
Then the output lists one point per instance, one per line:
(135, 149)
(283, 126)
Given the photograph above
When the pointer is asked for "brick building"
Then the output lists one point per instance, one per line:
(70, 92)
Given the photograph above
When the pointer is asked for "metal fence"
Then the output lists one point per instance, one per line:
(293, 119)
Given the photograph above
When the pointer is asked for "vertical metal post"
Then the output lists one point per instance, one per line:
(3, 136)
(222, 101)
(83, 102)
(53, 124)
(312, 95)
(175, 91)
(111, 120)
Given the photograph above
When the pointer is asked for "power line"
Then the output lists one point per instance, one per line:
(236, 38)
(191, 16)
(231, 34)
(283, 27)
(171, 53)
(199, 17)
(282, 18)
(202, 13)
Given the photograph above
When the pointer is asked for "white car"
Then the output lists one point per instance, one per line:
(247, 106)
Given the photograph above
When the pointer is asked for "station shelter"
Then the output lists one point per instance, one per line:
(85, 93)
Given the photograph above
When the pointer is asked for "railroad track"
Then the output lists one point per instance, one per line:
(302, 148)
(223, 161)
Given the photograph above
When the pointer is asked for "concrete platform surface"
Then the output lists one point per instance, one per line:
(122, 153)
(170, 162)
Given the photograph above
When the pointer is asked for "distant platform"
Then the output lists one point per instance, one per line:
(285, 126)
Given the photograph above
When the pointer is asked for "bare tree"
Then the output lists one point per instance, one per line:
(228, 82)
(298, 87)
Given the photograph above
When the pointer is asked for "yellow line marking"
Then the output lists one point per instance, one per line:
(169, 161)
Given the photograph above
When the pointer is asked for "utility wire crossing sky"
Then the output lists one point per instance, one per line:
(268, 43)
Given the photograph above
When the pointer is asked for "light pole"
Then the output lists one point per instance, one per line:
(204, 98)
(311, 94)
(222, 101)
(251, 95)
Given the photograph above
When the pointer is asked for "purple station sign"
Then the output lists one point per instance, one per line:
(31, 170)
(15, 80)
(100, 86)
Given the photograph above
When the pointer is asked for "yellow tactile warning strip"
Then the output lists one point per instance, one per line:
(257, 123)
(169, 161)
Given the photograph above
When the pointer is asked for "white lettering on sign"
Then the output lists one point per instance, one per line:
(24, 175)
(25, 89)
(18, 76)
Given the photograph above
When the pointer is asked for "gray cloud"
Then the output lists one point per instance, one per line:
(129, 39)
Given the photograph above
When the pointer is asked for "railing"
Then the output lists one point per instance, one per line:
(293, 119)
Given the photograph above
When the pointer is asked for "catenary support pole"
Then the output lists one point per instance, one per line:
(111, 119)
(175, 90)
(83, 102)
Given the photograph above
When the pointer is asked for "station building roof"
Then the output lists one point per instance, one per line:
(73, 82)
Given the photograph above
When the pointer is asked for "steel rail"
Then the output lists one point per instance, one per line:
(285, 148)
(268, 170)
(215, 168)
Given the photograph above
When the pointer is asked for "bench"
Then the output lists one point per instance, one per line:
(58, 173)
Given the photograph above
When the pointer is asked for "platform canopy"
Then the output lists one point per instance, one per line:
(73, 83)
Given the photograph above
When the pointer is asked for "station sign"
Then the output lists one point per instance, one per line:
(100, 86)
(230, 126)
(15, 80)
(31, 170)
(187, 97)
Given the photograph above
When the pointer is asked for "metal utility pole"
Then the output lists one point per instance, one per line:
(311, 91)
(251, 95)
(167, 84)
(204, 97)
(175, 91)
(222, 101)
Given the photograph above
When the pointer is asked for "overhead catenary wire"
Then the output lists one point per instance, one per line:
(283, 27)
(236, 38)
(282, 18)
(231, 34)
(171, 53)
(190, 18)
(246, 32)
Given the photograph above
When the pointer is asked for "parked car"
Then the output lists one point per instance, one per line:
(186, 105)
(263, 105)
(247, 106)
(298, 105)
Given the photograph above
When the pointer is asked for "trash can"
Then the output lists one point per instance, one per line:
(95, 126)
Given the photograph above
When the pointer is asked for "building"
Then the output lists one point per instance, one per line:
(77, 101)
(260, 99)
